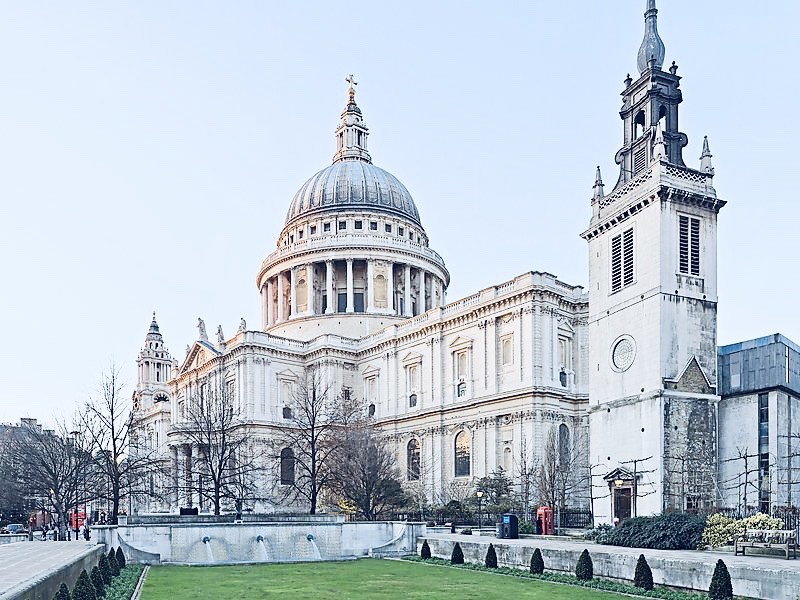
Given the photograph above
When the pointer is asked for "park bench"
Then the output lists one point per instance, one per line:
(784, 540)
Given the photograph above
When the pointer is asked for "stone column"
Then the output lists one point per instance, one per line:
(310, 288)
(407, 312)
(329, 286)
(421, 299)
(370, 286)
(270, 316)
(292, 292)
(281, 283)
(176, 476)
(390, 288)
(349, 285)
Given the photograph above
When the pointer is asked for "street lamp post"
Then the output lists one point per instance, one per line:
(479, 494)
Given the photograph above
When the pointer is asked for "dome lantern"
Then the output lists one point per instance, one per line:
(351, 135)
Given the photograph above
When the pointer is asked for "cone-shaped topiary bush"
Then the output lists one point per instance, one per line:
(643, 578)
(457, 557)
(97, 582)
(721, 588)
(491, 557)
(83, 590)
(105, 569)
(584, 570)
(112, 562)
(62, 593)
(425, 551)
(537, 562)
(121, 558)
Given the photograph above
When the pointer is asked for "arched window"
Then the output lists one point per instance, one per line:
(662, 114)
(287, 466)
(371, 410)
(462, 454)
(638, 125)
(563, 444)
(461, 390)
(412, 460)
(287, 412)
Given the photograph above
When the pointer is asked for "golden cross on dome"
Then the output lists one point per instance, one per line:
(351, 80)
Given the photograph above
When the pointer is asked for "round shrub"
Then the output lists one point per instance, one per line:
(425, 551)
(457, 557)
(584, 570)
(643, 578)
(491, 557)
(62, 593)
(83, 590)
(720, 588)
(97, 582)
(121, 558)
(112, 562)
(105, 569)
(466, 531)
(537, 562)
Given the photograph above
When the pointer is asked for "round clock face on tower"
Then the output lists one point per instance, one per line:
(623, 353)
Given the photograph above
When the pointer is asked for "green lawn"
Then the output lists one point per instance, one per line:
(349, 580)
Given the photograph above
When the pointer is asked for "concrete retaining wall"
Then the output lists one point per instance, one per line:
(280, 541)
(752, 581)
(48, 583)
(10, 538)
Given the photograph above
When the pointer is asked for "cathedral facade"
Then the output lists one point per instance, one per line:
(624, 371)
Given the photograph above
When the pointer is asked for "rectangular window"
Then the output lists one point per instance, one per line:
(341, 303)
(507, 350)
(689, 245)
(401, 231)
(357, 224)
(358, 302)
(342, 225)
(326, 227)
(300, 234)
(313, 230)
(373, 226)
(622, 262)
(388, 228)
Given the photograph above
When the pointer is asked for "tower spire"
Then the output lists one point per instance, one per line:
(705, 158)
(652, 51)
(598, 185)
(351, 135)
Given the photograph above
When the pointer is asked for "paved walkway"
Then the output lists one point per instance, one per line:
(23, 563)
(775, 562)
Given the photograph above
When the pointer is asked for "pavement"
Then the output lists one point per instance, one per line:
(776, 562)
(24, 563)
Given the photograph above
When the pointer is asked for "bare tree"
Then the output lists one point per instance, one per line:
(562, 467)
(525, 473)
(364, 472)
(224, 456)
(308, 446)
(109, 424)
(55, 468)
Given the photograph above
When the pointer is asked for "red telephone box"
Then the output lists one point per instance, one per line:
(545, 514)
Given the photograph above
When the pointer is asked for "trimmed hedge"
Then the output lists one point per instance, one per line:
(121, 558)
(584, 569)
(83, 590)
(537, 562)
(62, 593)
(457, 557)
(105, 569)
(425, 551)
(97, 582)
(672, 531)
(597, 584)
(112, 562)
(721, 588)
(491, 557)
(643, 578)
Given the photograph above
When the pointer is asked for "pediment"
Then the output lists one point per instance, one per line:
(411, 357)
(287, 374)
(692, 379)
(371, 370)
(565, 326)
(199, 354)
(461, 342)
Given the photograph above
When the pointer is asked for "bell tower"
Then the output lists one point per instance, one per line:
(653, 306)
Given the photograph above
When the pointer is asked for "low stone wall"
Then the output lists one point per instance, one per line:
(275, 541)
(779, 581)
(46, 586)
(10, 538)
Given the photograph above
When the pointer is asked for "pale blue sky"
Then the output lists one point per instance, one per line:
(149, 151)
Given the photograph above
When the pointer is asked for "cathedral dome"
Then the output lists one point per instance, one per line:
(353, 185)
